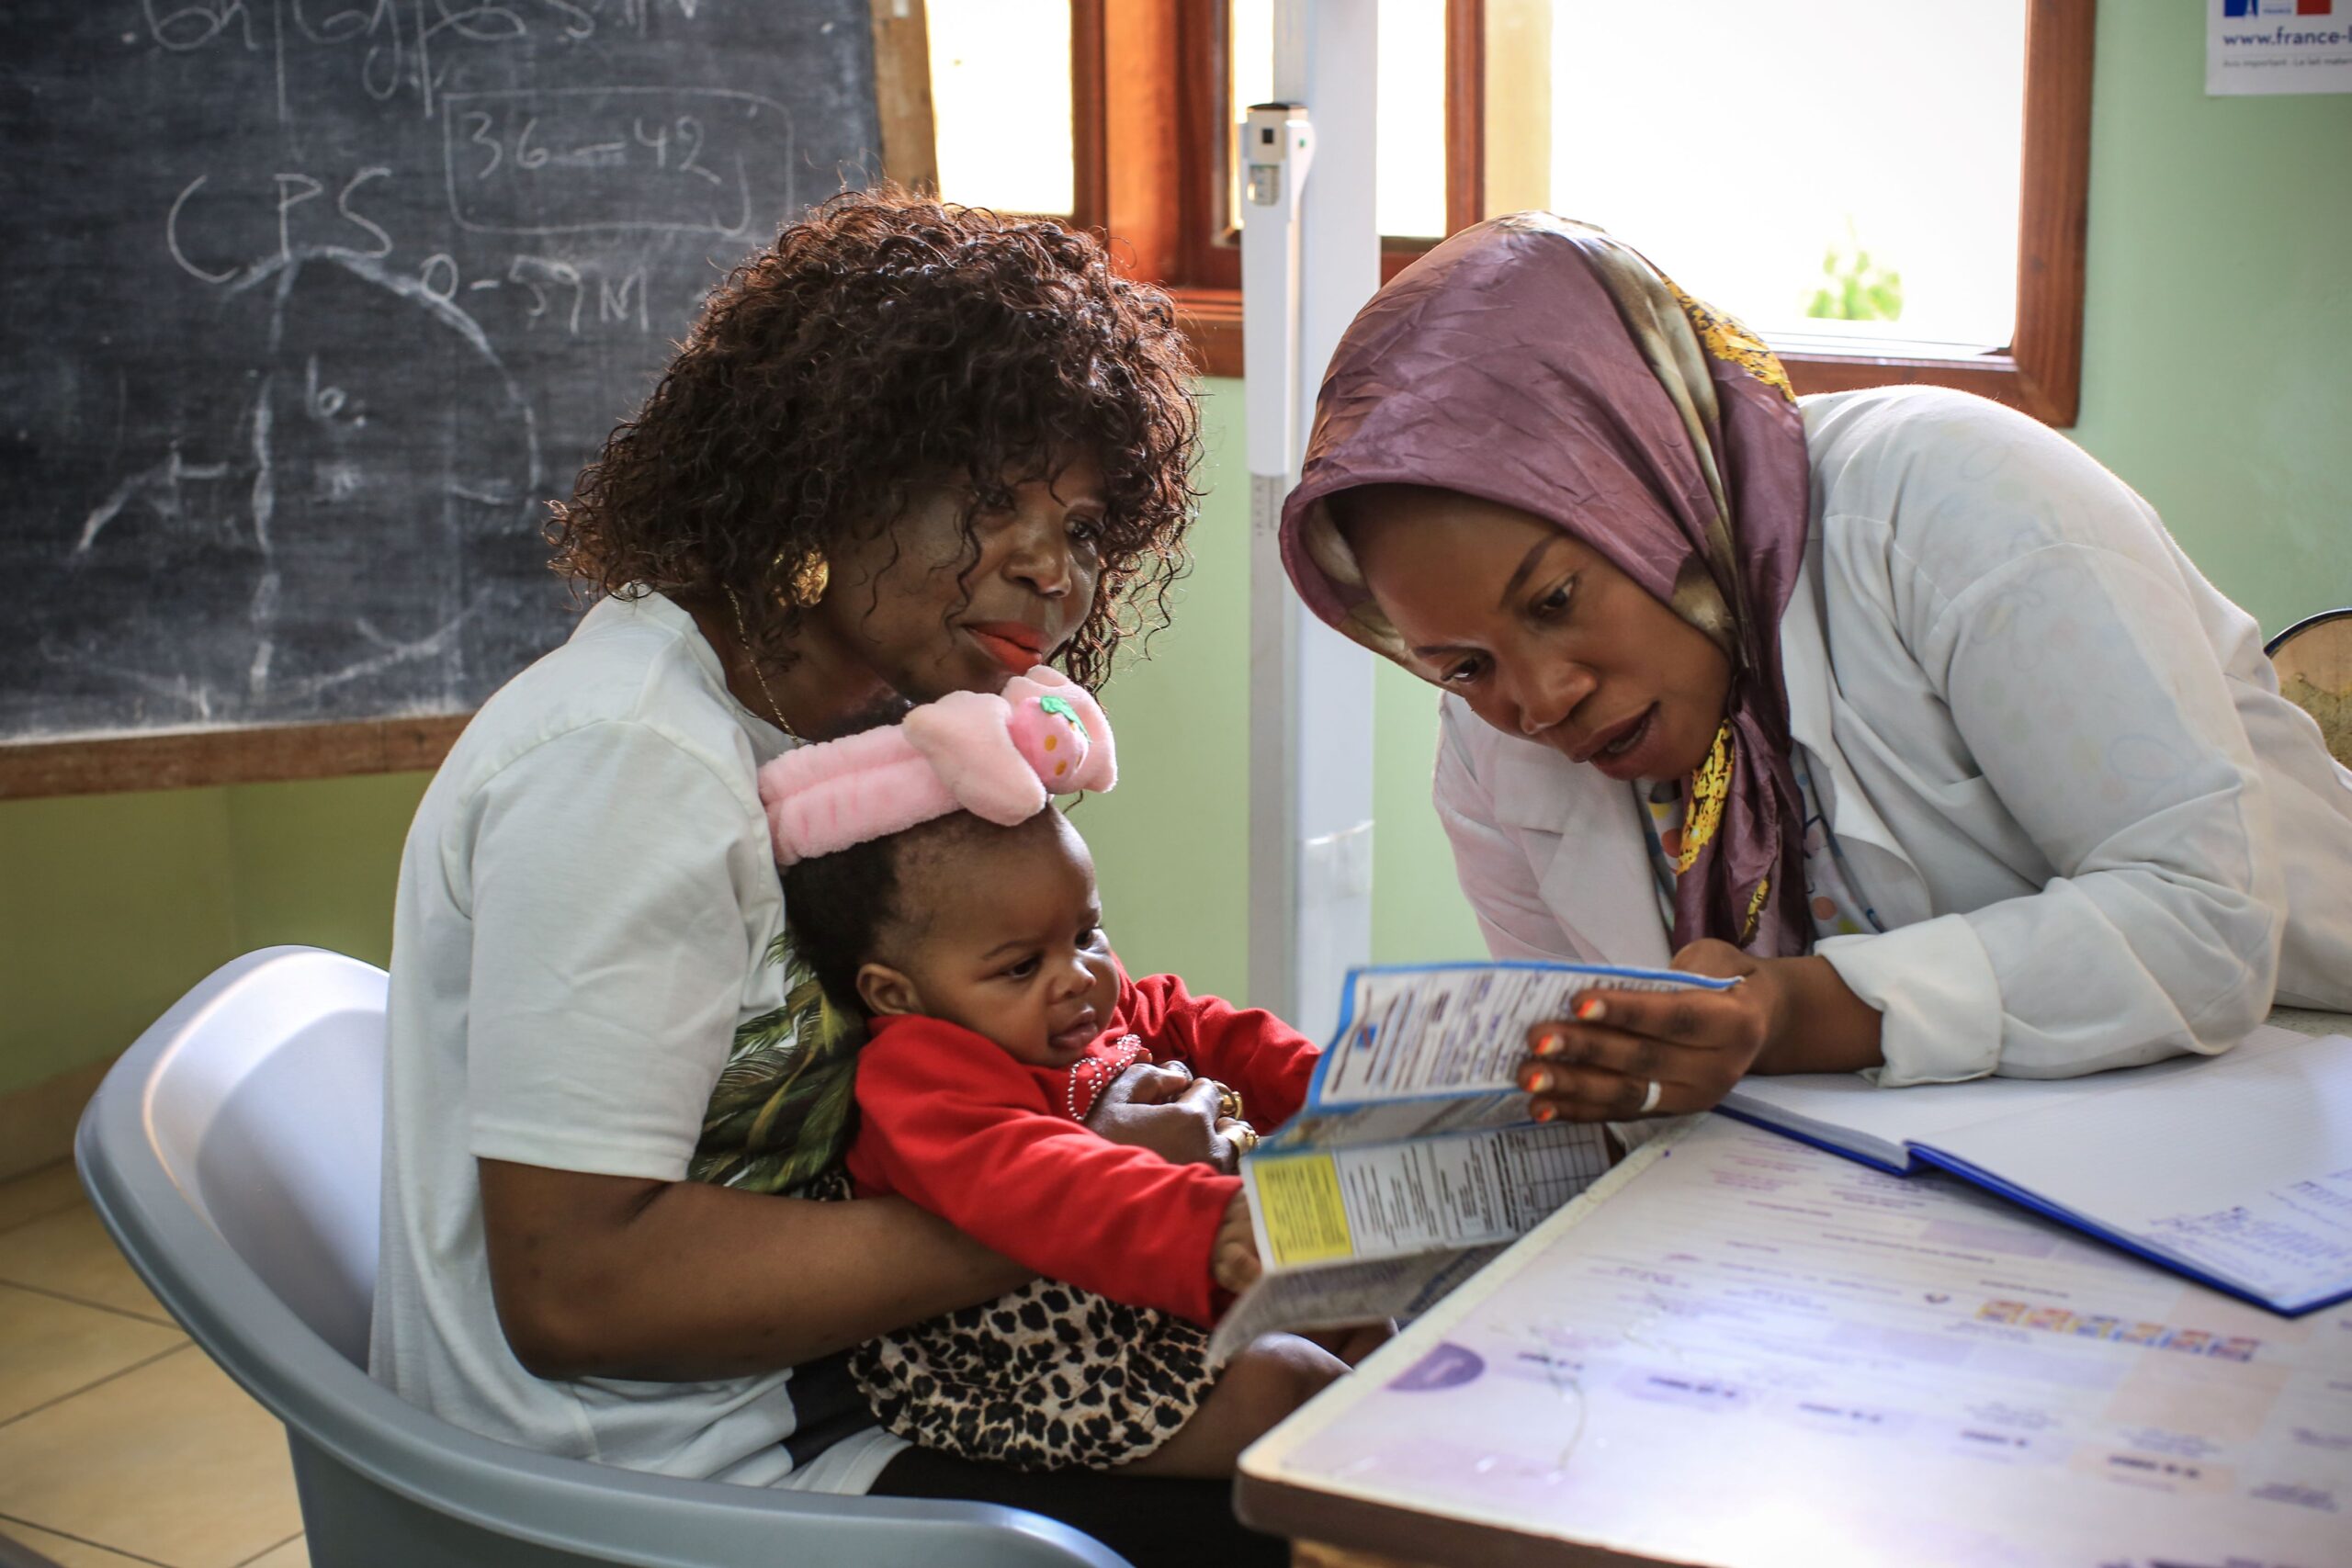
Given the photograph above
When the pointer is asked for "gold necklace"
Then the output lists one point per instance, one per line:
(775, 709)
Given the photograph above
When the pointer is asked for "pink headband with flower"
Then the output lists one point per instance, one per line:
(997, 757)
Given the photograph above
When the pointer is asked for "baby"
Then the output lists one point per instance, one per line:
(932, 886)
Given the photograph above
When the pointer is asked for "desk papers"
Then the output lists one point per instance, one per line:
(2236, 1171)
(1737, 1350)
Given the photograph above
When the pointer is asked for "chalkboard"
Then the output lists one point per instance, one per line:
(312, 306)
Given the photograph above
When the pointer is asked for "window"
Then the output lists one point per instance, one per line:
(1887, 193)
(1868, 198)
(1000, 100)
(1410, 157)
(1884, 193)
(1152, 84)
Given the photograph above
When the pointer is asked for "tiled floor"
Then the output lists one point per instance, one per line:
(120, 1443)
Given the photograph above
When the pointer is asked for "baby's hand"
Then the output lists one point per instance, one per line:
(1169, 1111)
(1233, 1258)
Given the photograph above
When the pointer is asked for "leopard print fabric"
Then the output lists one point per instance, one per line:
(1049, 1377)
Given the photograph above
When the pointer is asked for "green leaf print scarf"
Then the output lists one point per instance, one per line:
(784, 1109)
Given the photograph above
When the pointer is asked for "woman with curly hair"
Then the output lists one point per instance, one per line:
(908, 449)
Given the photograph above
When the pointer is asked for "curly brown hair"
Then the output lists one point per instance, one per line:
(885, 341)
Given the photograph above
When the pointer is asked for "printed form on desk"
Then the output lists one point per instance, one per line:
(1738, 1351)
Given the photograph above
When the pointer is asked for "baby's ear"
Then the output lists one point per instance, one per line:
(885, 992)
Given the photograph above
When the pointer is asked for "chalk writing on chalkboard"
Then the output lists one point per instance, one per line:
(314, 305)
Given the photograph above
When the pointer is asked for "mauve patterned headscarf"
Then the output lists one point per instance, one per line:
(1538, 363)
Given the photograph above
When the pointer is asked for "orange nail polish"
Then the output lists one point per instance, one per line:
(1591, 1010)
(1545, 1113)
(1535, 1080)
(1547, 1045)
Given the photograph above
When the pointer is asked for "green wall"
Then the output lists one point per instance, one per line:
(2217, 364)
(1172, 842)
(113, 905)
(2217, 380)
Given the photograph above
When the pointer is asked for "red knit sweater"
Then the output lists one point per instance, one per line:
(995, 1147)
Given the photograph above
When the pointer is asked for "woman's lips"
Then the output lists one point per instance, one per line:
(1018, 649)
(1624, 752)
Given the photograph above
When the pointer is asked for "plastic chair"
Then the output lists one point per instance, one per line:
(234, 1153)
(2313, 659)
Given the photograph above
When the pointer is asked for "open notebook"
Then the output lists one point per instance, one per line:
(2234, 1170)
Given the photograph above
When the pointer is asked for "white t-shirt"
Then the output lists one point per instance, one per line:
(587, 903)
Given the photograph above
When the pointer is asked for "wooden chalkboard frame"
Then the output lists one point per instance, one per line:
(184, 759)
(266, 753)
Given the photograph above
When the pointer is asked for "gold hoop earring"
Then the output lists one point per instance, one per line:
(807, 582)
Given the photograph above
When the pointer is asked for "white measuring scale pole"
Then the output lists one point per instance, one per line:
(1310, 257)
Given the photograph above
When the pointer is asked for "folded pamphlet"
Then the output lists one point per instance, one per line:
(1414, 1160)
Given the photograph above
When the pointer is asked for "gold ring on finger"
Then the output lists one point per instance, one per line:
(1244, 1136)
(1228, 1102)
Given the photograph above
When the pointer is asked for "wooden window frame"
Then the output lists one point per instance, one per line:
(2040, 370)
(1139, 66)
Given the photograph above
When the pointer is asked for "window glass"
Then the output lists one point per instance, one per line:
(1410, 142)
(1001, 103)
(1826, 170)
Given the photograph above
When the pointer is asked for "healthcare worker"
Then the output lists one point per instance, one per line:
(1892, 701)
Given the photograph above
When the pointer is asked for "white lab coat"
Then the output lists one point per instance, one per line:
(2055, 757)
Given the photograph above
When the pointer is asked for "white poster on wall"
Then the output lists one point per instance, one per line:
(2278, 46)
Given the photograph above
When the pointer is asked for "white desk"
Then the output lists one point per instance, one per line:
(1748, 1352)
